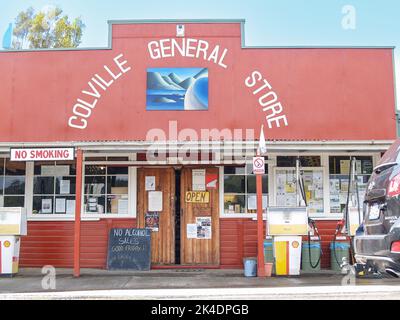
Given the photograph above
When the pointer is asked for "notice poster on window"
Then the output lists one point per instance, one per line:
(70, 206)
(65, 186)
(203, 227)
(155, 201)
(252, 202)
(152, 221)
(47, 206)
(123, 206)
(198, 179)
(344, 166)
(60, 205)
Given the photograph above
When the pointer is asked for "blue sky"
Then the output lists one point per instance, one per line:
(268, 22)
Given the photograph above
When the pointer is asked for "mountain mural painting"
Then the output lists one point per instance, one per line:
(177, 89)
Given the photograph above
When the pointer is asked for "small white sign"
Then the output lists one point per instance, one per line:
(155, 201)
(258, 165)
(198, 180)
(191, 231)
(46, 154)
(150, 183)
(65, 186)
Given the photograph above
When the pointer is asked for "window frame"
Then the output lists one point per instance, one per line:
(3, 160)
(132, 189)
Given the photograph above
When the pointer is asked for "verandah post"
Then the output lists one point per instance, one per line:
(78, 208)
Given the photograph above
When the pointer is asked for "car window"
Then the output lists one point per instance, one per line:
(392, 155)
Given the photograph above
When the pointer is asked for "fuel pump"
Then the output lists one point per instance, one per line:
(352, 215)
(302, 201)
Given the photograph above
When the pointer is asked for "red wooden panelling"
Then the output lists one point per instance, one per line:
(51, 243)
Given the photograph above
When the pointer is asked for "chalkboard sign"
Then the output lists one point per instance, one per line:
(129, 249)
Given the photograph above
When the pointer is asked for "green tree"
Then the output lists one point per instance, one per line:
(46, 29)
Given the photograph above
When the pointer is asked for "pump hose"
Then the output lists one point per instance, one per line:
(309, 247)
(346, 212)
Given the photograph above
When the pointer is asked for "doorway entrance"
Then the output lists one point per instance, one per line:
(186, 229)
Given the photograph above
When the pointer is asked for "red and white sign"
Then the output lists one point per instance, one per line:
(258, 165)
(46, 154)
(211, 181)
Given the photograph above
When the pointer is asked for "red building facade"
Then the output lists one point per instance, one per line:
(155, 106)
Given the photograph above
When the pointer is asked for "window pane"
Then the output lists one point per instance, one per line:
(14, 185)
(341, 165)
(15, 168)
(117, 204)
(44, 168)
(117, 170)
(43, 205)
(251, 184)
(70, 164)
(1, 185)
(13, 201)
(234, 170)
(65, 185)
(305, 161)
(117, 184)
(95, 185)
(234, 203)
(95, 170)
(43, 185)
(95, 204)
(234, 184)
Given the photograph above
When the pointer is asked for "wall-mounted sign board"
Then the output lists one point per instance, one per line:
(42, 154)
(129, 249)
(197, 197)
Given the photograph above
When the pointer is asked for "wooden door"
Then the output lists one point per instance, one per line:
(163, 240)
(197, 251)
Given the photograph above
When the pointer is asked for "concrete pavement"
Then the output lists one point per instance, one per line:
(196, 284)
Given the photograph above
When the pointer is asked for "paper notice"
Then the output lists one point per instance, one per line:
(150, 183)
(191, 231)
(123, 206)
(47, 206)
(65, 186)
(198, 180)
(70, 206)
(155, 203)
(60, 205)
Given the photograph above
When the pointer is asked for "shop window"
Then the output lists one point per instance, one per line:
(54, 187)
(106, 189)
(339, 167)
(286, 185)
(12, 183)
(240, 189)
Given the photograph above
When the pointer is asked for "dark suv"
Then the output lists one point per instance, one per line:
(377, 246)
